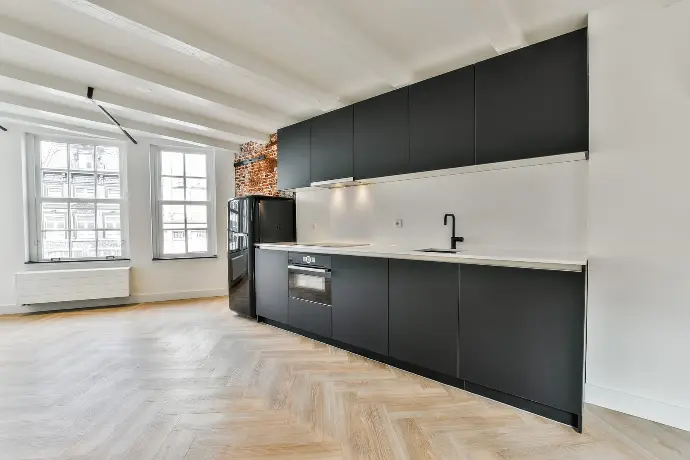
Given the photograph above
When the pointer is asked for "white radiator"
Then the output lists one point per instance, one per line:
(46, 286)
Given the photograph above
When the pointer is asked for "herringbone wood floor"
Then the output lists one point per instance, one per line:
(189, 380)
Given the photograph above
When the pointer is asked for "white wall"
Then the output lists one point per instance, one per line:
(536, 207)
(150, 280)
(638, 357)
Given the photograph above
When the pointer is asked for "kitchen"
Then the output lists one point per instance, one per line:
(495, 303)
(402, 229)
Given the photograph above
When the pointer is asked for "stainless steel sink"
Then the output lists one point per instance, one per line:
(441, 251)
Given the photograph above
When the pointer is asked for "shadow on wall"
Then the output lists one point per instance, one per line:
(259, 177)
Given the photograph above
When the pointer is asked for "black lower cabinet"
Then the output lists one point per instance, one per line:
(360, 302)
(310, 316)
(271, 275)
(522, 333)
(423, 327)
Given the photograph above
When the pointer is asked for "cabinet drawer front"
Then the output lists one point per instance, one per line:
(310, 317)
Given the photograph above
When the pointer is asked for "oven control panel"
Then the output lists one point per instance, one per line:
(300, 258)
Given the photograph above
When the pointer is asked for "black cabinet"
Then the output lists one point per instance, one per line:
(360, 302)
(442, 121)
(522, 333)
(423, 312)
(310, 317)
(533, 102)
(381, 135)
(271, 281)
(294, 156)
(331, 145)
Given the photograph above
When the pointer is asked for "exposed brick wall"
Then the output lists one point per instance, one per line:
(260, 177)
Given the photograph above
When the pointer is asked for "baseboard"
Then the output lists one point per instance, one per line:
(136, 298)
(11, 309)
(165, 296)
(649, 409)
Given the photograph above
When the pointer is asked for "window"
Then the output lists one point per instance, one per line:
(76, 208)
(184, 196)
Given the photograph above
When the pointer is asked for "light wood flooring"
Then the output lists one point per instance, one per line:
(190, 380)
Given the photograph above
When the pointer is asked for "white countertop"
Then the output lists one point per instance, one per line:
(545, 260)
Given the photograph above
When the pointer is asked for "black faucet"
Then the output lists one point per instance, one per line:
(454, 240)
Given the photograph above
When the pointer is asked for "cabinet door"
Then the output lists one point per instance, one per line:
(442, 121)
(294, 156)
(424, 314)
(360, 302)
(522, 332)
(533, 102)
(381, 135)
(331, 145)
(271, 281)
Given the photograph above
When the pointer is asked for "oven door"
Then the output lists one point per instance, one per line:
(312, 284)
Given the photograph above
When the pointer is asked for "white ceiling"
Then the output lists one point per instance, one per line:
(222, 72)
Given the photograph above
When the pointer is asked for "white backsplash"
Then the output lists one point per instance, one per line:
(534, 207)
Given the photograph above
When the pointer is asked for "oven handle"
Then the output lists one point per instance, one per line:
(308, 269)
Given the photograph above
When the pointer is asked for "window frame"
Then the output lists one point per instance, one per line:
(157, 202)
(34, 196)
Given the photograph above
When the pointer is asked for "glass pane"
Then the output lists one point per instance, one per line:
(109, 244)
(172, 164)
(196, 189)
(53, 155)
(198, 241)
(55, 245)
(54, 216)
(81, 157)
(172, 188)
(108, 186)
(54, 184)
(83, 245)
(108, 216)
(83, 217)
(107, 158)
(196, 216)
(82, 185)
(195, 165)
(173, 242)
(173, 216)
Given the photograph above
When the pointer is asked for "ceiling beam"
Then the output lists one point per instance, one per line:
(95, 116)
(157, 26)
(498, 24)
(59, 126)
(323, 19)
(118, 100)
(46, 39)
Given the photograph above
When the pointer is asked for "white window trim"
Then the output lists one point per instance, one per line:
(157, 202)
(34, 195)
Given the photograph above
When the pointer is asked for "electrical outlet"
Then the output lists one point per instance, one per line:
(398, 223)
(313, 225)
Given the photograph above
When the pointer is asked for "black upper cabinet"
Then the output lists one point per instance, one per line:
(381, 135)
(423, 314)
(331, 145)
(442, 121)
(533, 102)
(360, 302)
(522, 333)
(272, 284)
(294, 155)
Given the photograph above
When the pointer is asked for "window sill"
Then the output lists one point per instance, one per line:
(85, 261)
(157, 259)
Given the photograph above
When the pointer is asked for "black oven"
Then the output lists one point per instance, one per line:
(309, 278)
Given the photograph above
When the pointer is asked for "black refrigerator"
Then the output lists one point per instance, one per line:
(251, 220)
